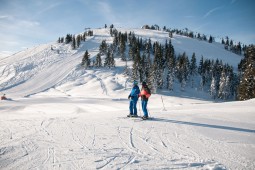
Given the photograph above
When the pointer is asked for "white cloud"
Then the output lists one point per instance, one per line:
(26, 23)
(15, 32)
(3, 17)
(201, 28)
(13, 24)
(211, 11)
(107, 11)
(48, 8)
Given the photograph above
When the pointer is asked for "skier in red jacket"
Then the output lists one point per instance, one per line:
(3, 97)
(145, 94)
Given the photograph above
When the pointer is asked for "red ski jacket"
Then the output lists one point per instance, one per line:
(144, 94)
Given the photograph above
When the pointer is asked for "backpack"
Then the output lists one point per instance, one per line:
(148, 90)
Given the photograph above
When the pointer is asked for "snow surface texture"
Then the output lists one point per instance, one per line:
(64, 117)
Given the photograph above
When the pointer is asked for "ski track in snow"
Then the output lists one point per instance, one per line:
(111, 143)
(73, 118)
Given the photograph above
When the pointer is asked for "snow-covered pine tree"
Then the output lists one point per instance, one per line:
(122, 48)
(103, 48)
(227, 88)
(84, 36)
(171, 75)
(143, 65)
(152, 81)
(222, 41)
(232, 82)
(201, 72)
(133, 46)
(202, 82)
(127, 71)
(74, 42)
(227, 42)
(165, 77)
(207, 71)
(199, 36)
(148, 72)
(148, 46)
(68, 38)
(158, 65)
(183, 83)
(193, 65)
(213, 91)
(186, 69)
(90, 33)
(136, 66)
(140, 44)
(217, 69)
(85, 60)
(98, 62)
(115, 44)
(193, 68)
(182, 69)
(112, 60)
(165, 68)
(246, 89)
(221, 93)
(78, 40)
(178, 68)
(131, 53)
(169, 67)
(201, 66)
(210, 39)
(234, 85)
(107, 60)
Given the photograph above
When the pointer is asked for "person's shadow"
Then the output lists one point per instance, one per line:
(202, 125)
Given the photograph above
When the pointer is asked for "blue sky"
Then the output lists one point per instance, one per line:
(25, 23)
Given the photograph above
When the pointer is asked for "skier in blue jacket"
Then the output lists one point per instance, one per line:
(133, 96)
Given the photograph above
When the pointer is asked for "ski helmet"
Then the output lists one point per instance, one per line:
(135, 82)
(144, 83)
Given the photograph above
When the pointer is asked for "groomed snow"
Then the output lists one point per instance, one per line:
(64, 117)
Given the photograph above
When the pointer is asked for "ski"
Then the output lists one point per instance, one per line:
(137, 117)
(139, 120)
(132, 116)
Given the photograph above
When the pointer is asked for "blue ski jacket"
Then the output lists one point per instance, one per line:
(134, 93)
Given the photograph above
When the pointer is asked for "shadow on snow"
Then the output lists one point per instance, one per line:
(203, 125)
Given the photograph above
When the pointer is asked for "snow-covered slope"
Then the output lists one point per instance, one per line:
(55, 131)
(40, 68)
(189, 46)
(73, 118)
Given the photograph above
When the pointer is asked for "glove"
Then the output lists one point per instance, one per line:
(129, 97)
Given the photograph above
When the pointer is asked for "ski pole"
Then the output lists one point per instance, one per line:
(164, 109)
(149, 115)
(139, 108)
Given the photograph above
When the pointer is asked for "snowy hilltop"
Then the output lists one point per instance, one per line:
(52, 65)
(68, 104)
